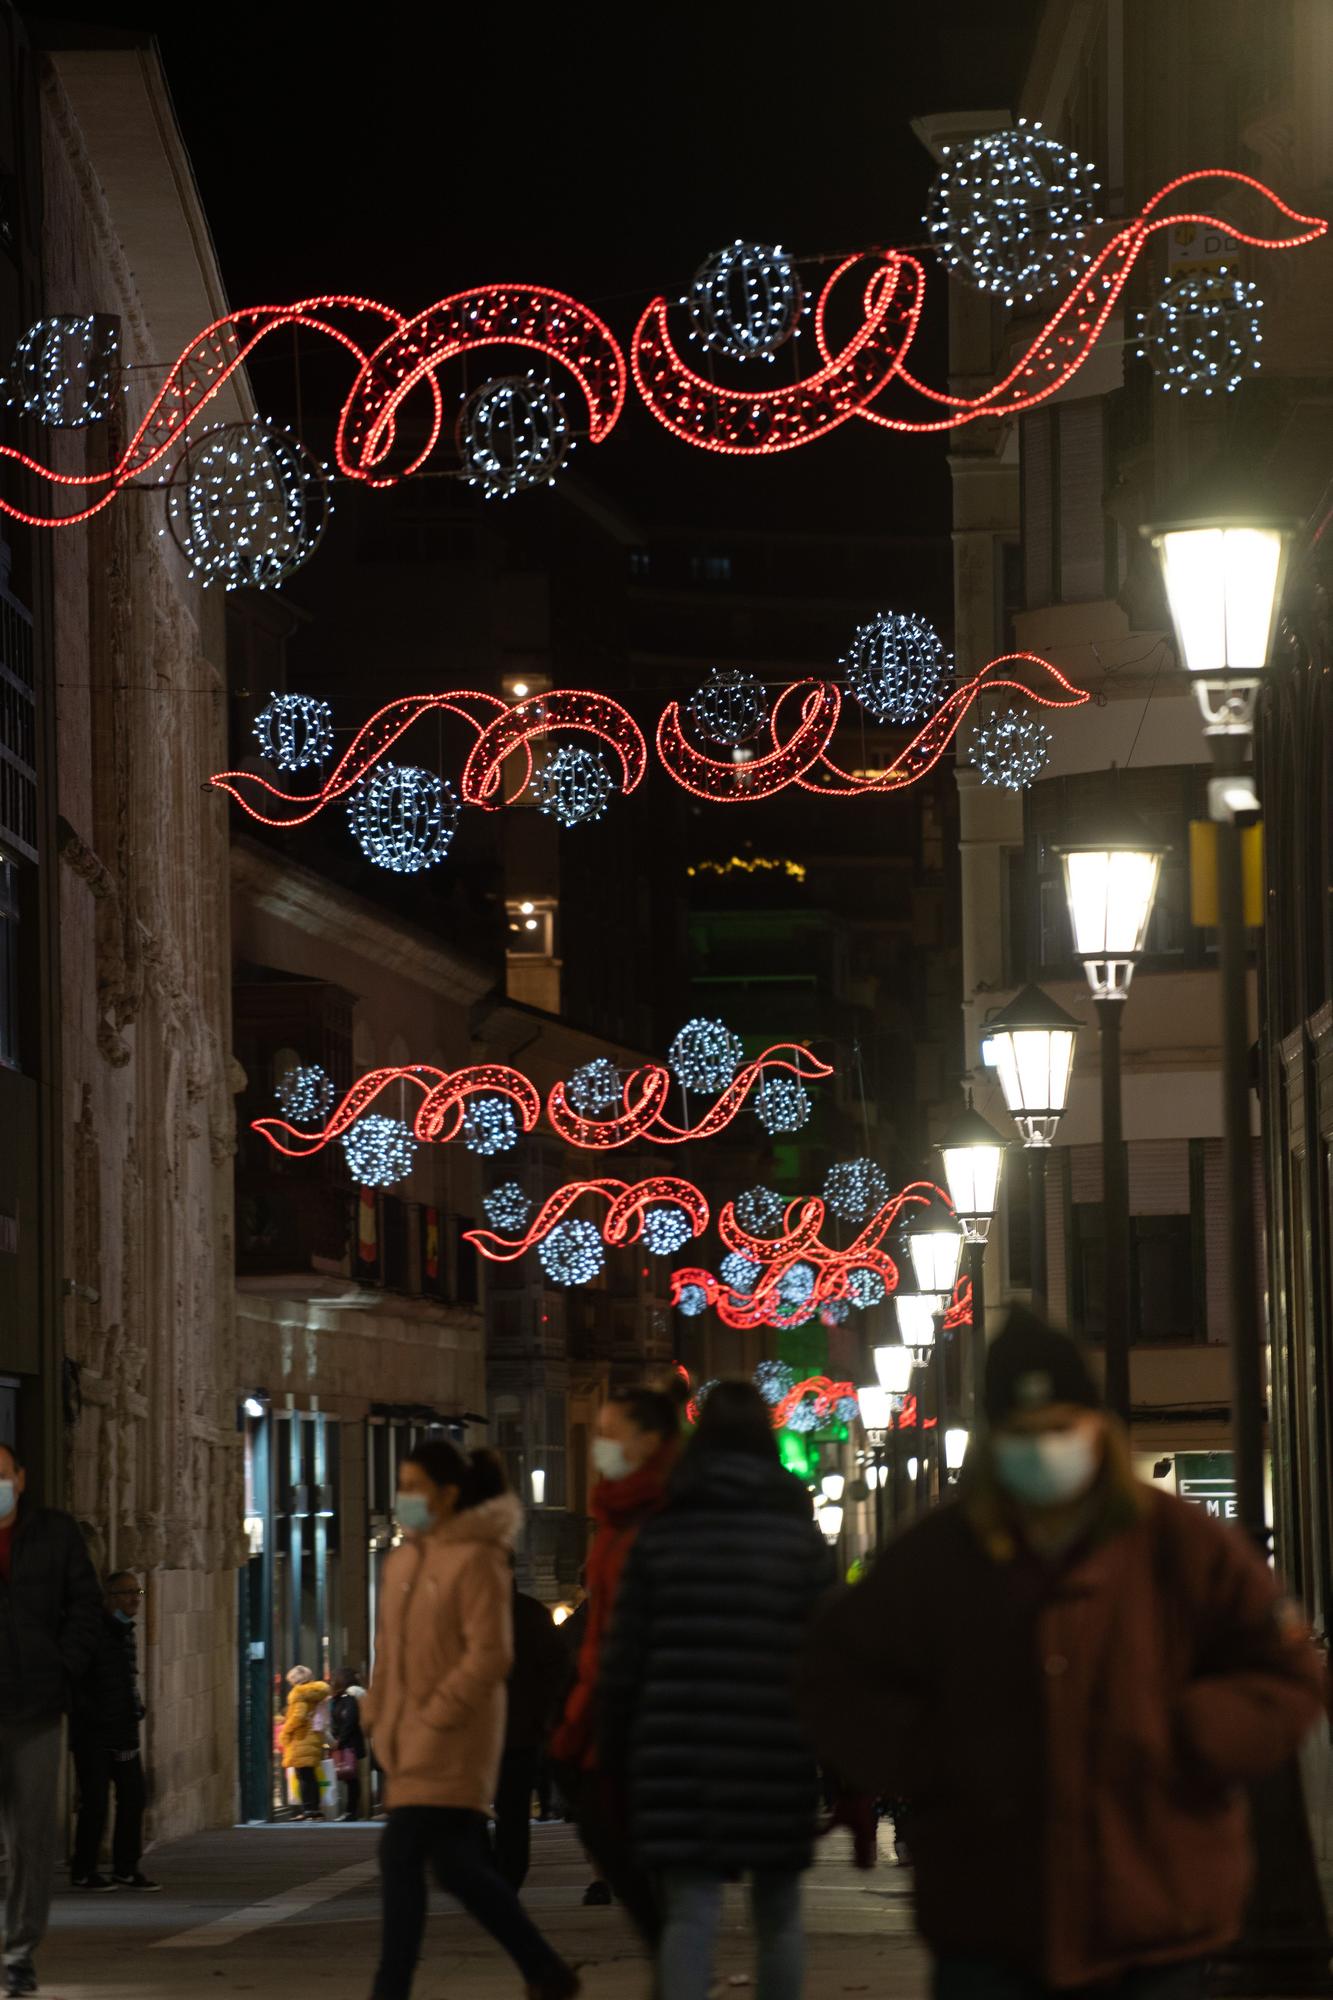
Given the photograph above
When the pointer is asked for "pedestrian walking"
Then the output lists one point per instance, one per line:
(303, 1745)
(347, 1738)
(436, 1711)
(634, 1453)
(49, 1610)
(104, 1740)
(536, 1683)
(1070, 1675)
(697, 1695)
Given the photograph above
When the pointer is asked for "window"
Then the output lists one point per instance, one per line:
(531, 931)
(1069, 546)
(1166, 1293)
(710, 569)
(9, 963)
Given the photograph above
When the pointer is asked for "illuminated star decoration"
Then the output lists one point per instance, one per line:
(692, 1301)
(294, 731)
(65, 369)
(760, 1210)
(854, 1189)
(379, 1151)
(705, 1054)
(507, 1207)
(489, 1126)
(1010, 211)
(512, 434)
(573, 1253)
(1203, 332)
(1012, 750)
(594, 1088)
(403, 818)
(897, 668)
(729, 708)
(573, 786)
(745, 301)
(781, 1104)
(247, 505)
(739, 1271)
(665, 1230)
(306, 1093)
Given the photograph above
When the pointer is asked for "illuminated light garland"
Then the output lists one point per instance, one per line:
(445, 1094)
(646, 1093)
(898, 668)
(692, 1300)
(594, 1088)
(865, 1288)
(306, 1093)
(379, 1151)
(1203, 332)
(745, 301)
(247, 505)
(1010, 210)
(507, 1207)
(813, 1404)
(573, 786)
(665, 1230)
(796, 1284)
(489, 1126)
(294, 730)
(403, 818)
(705, 1054)
(573, 1253)
(739, 1272)
(759, 1210)
(854, 1189)
(755, 864)
(774, 1380)
(65, 370)
(628, 1204)
(835, 1312)
(541, 715)
(512, 435)
(781, 1105)
(729, 708)
(1011, 750)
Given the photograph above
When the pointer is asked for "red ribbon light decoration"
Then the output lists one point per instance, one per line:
(646, 1092)
(623, 1223)
(439, 1117)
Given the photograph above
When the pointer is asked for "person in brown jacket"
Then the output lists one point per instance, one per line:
(1071, 1676)
(436, 1712)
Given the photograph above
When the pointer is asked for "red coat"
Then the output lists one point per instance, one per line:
(620, 1507)
(1072, 1741)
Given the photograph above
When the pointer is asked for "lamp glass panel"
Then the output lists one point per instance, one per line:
(876, 1408)
(1034, 1066)
(936, 1255)
(955, 1449)
(973, 1176)
(916, 1322)
(832, 1484)
(1110, 896)
(830, 1522)
(894, 1365)
(1222, 586)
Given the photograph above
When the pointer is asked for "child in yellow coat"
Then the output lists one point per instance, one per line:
(303, 1746)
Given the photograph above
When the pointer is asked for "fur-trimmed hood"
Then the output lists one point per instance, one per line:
(499, 1520)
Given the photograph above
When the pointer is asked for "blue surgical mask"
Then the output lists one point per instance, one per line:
(1050, 1469)
(8, 1498)
(123, 1617)
(413, 1512)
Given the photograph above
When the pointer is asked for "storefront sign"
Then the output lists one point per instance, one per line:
(1206, 1479)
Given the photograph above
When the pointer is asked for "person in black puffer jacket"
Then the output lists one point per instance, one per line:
(696, 1695)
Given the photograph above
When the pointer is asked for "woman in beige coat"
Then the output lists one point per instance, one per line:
(436, 1711)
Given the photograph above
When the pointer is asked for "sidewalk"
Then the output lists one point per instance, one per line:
(286, 1912)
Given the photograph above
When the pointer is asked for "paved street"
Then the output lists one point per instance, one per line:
(292, 1910)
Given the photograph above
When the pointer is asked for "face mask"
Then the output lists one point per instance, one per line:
(413, 1512)
(608, 1456)
(124, 1617)
(1047, 1471)
(8, 1498)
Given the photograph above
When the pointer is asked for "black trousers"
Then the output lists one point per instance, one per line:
(307, 1786)
(98, 1771)
(453, 1844)
(513, 1809)
(607, 1847)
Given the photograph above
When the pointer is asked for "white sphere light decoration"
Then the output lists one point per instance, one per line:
(506, 1206)
(739, 1271)
(306, 1093)
(573, 786)
(897, 667)
(804, 1417)
(746, 301)
(294, 731)
(729, 708)
(403, 818)
(1010, 211)
(760, 1210)
(1012, 750)
(490, 1126)
(692, 1301)
(666, 1229)
(594, 1088)
(705, 1054)
(854, 1189)
(796, 1284)
(781, 1104)
(774, 1380)
(379, 1151)
(64, 370)
(1203, 332)
(865, 1287)
(247, 505)
(513, 434)
(835, 1312)
(573, 1253)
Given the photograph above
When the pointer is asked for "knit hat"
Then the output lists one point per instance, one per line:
(297, 1676)
(1032, 1365)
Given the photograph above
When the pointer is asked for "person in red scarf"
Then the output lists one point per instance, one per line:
(634, 1454)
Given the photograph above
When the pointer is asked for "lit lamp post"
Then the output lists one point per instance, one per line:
(973, 1153)
(1224, 576)
(1032, 1041)
(876, 1405)
(1110, 882)
(893, 1368)
(936, 1251)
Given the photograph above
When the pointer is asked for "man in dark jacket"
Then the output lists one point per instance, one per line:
(104, 1737)
(48, 1626)
(1071, 1676)
(536, 1683)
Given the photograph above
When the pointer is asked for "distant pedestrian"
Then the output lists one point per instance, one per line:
(536, 1683)
(303, 1745)
(1070, 1675)
(347, 1738)
(104, 1741)
(697, 1695)
(436, 1711)
(50, 1606)
(634, 1453)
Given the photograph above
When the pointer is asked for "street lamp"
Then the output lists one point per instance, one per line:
(894, 1364)
(829, 1518)
(832, 1485)
(1224, 575)
(973, 1154)
(538, 1477)
(1110, 881)
(917, 1313)
(1032, 1041)
(936, 1251)
(876, 1406)
(955, 1449)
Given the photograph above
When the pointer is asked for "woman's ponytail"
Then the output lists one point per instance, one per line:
(485, 1478)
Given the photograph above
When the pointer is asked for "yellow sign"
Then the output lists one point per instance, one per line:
(1203, 873)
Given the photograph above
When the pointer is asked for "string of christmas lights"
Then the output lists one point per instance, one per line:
(1011, 750)
(294, 731)
(634, 1212)
(512, 435)
(445, 1098)
(1010, 211)
(402, 818)
(898, 668)
(65, 370)
(379, 1151)
(1203, 332)
(247, 505)
(648, 1090)
(746, 301)
(306, 1093)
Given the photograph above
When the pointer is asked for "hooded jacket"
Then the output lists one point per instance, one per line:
(106, 1710)
(303, 1746)
(443, 1651)
(1073, 1737)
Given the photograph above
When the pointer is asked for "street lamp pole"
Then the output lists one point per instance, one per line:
(1032, 1040)
(1115, 1212)
(973, 1154)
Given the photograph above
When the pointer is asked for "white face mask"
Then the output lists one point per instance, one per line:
(9, 1498)
(1048, 1470)
(610, 1460)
